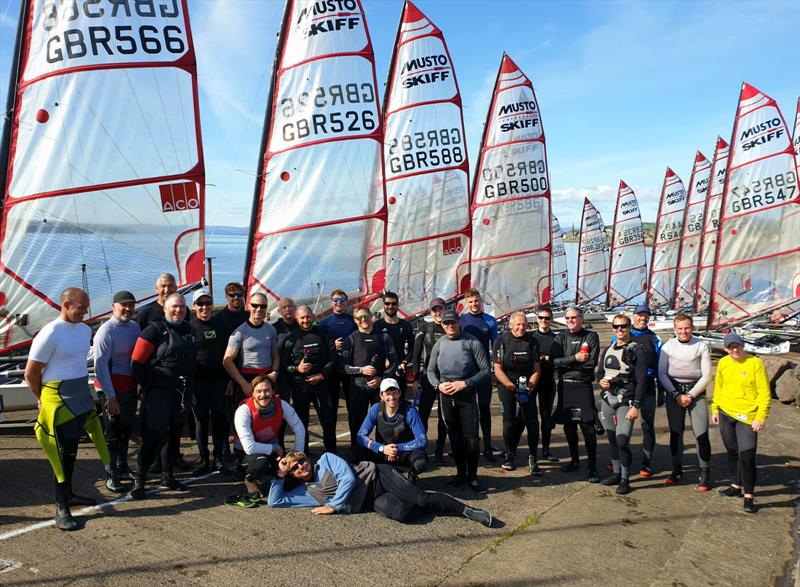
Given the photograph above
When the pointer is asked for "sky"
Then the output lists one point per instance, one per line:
(625, 88)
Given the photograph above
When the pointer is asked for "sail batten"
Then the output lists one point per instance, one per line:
(511, 212)
(666, 242)
(592, 280)
(104, 180)
(758, 254)
(319, 212)
(627, 276)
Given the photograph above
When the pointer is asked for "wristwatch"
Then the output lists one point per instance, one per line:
(380, 449)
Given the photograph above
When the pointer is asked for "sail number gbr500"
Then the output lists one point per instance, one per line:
(523, 178)
(765, 192)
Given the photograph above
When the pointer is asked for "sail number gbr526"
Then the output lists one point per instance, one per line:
(326, 122)
(781, 187)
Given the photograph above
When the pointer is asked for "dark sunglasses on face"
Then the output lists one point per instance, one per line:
(258, 306)
(363, 318)
(389, 303)
(338, 300)
(235, 294)
(449, 322)
(203, 304)
(298, 464)
(620, 326)
(544, 318)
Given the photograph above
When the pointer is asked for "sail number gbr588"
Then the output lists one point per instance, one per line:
(781, 187)
(426, 150)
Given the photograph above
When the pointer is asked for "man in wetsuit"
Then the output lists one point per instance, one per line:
(401, 333)
(113, 347)
(163, 364)
(367, 357)
(483, 327)
(427, 336)
(210, 383)
(165, 286)
(458, 367)
(336, 327)
(286, 324)
(309, 363)
(56, 373)
(234, 314)
(580, 349)
(546, 390)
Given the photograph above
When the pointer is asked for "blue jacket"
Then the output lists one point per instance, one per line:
(412, 419)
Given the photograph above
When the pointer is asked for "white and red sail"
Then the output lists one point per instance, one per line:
(426, 168)
(102, 181)
(708, 246)
(627, 275)
(666, 242)
(511, 233)
(319, 213)
(559, 281)
(592, 280)
(689, 250)
(796, 133)
(760, 217)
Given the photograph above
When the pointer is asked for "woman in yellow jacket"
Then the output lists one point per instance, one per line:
(740, 407)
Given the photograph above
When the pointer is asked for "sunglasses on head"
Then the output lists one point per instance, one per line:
(204, 304)
(619, 326)
(338, 300)
(363, 318)
(235, 294)
(258, 306)
(298, 464)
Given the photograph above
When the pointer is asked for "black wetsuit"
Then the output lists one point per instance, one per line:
(284, 381)
(423, 345)
(546, 390)
(402, 335)
(210, 384)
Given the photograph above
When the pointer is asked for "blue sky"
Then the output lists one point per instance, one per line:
(625, 88)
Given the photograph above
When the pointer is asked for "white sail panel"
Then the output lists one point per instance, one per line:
(759, 246)
(558, 278)
(627, 277)
(105, 180)
(708, 247)
(511, 199)
(319, 212)
(689, 252)
(426, 168)
(592, 278)
(796, 133)
(666, 242)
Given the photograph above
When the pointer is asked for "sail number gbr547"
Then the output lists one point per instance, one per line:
(764, 192)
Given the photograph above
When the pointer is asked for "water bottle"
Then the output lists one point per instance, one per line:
(522, 390)
(584, 347)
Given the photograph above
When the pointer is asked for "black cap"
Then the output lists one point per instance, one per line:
(642, 309)
(435, 302)
(123, 297)
(450, 315)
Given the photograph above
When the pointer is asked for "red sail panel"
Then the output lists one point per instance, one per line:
(426, 169)
(666, 242)
(758, 258)
(689, 252)
(105, 179)
(627, 276)
(511, 232)
(592, 278)
(558, 277)
(320, 207)
(708, 245)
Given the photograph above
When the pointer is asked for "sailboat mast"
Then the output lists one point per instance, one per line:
(613, 246)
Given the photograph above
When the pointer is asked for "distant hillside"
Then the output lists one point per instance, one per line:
(649, 229)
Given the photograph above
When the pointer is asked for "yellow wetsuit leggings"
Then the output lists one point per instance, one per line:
(58, 430)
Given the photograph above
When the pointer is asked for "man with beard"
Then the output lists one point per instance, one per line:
(401, 333)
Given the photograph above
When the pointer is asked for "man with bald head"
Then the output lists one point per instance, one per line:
(57, 374)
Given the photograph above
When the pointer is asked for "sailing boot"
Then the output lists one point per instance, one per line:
(675, 477)
(125, 473)
(705, 480)
(64, 519)
(534, 466)
(204, 468)
(113, 482)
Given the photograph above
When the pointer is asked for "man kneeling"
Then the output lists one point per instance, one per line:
(333, 486)
(399, 435)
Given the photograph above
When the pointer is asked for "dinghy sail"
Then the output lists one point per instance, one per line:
(708, 246)
(558, 279)
(592, 256)
(511, 233)
(102, 176)
(759, 219)
(426, 168)
(666, 241)
(627, 277)
(319, 211)
(689, 250)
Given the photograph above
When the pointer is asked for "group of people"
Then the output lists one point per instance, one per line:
(243, 381)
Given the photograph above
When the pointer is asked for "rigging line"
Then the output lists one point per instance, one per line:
(167, 119)
(177, 73)
(146, 123)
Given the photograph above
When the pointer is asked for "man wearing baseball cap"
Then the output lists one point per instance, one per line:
(427, 336)
(740, 407)
(112, 350)
(399, 436)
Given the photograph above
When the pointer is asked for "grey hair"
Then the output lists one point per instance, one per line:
(167, 276)
(304, 307)
(517, 315)
(574, 308)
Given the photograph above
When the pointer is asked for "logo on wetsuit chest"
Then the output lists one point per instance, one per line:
(210, 335)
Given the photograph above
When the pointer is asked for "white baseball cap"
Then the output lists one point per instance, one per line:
(389, 383)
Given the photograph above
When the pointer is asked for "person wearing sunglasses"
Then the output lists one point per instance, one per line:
(367, 357)
(252, 349)
(579, 350)
(622, 374)
(234, 314)
(336, 327)
(210, 383)
(427, 336)
(457, 368)
(546, 389)
(402, 334)
(332, 486)
(684, 370)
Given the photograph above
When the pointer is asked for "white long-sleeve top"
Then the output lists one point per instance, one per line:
(243, 422)
(685, 362)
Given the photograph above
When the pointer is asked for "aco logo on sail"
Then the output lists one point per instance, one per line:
(179, 197)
